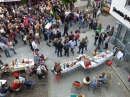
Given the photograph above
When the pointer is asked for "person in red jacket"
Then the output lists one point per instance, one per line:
(16, 84)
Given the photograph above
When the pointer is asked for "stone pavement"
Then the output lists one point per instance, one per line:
(63, 89)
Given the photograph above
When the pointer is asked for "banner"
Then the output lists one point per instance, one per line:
(8, 0)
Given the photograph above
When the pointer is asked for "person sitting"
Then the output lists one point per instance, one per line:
(96, 84)
(103, 78)
(21, 78)
(16, 84)
(57, 67)
(3, 90)
(86, 81)
(29, 71)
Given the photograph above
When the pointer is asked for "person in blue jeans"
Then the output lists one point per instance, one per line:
(5, 49)
(12, 47)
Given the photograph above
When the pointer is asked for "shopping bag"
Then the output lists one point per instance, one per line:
(109, 62)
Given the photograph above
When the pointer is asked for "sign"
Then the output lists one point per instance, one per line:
(122, 14)
(8, 0)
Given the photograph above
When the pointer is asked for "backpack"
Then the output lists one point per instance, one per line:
(75, 18)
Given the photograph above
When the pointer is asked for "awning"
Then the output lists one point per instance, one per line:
(9, 0)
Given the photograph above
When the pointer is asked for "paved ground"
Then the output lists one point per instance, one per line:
(51, 89)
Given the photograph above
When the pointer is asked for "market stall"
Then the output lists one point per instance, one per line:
(18, 65)
(98, 60)
(79, 61)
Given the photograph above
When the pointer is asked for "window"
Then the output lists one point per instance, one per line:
(121, 33)
(127, 37)
(128, 4)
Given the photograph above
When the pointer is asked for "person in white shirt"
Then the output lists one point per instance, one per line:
(22, 79)
(72, 46)
(11, 46)
(34, 45)
(67, 12)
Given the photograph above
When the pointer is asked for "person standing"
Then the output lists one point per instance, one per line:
(66, 48)
(76, 37)
(59, 48)
(107, 40)
(99, 40)
(11, 46)
(99, 28)
(81, 46)
(13, 36)
(5, 49)
(66, 28)
(95, 10)
(72, 46)
(34, 45)
(86, 44)
(96, 37)
(94, 27)
(91, 23)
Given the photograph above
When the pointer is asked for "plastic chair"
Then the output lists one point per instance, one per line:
(29, 85)
(76, 88)
(73, 95)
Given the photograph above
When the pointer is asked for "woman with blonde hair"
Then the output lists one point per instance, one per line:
(81, 46)
(86, 42)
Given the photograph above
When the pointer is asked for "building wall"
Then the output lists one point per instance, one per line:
(121, 23)
(81, 3)
(120, 5)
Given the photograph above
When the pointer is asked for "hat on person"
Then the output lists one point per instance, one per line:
(17, 81)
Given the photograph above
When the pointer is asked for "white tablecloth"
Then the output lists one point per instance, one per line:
(98, 60)
(22, 66)
(3, 82)
(70, 68)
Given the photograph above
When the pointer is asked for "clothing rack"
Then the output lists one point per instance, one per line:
(119, 54)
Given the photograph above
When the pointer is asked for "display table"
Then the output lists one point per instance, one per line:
(98, 60)
(95, 61)
(3, 82)
(66, 69)
(21, 64)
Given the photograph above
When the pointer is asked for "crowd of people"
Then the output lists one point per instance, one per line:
(29, 24)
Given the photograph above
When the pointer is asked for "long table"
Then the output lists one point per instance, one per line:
(21, 66)
(98, 60)
(95, 61)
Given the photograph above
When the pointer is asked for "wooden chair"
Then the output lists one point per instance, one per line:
(108, 72)
(108, 83)
(97, 88)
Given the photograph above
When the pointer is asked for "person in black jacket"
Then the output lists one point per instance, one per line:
(96, 37)
(66, 28)
(99, 40)
(81, 46)
(59, 48)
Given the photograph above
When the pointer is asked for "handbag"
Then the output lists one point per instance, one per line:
(109, 62)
